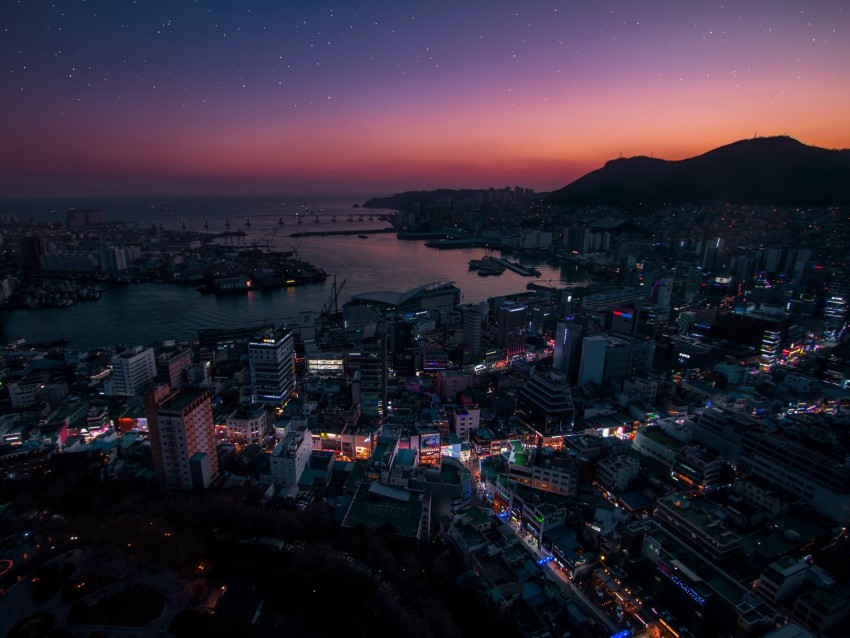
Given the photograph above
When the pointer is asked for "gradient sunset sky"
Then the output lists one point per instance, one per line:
(115, 97)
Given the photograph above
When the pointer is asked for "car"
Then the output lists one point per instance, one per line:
(619, 613)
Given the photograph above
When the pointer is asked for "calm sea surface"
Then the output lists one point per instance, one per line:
(144, 313)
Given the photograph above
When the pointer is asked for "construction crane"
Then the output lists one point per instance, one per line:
(333, 301)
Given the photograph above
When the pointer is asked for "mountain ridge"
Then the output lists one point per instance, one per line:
(764, 170)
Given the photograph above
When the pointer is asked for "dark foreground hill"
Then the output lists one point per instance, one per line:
(769, 170)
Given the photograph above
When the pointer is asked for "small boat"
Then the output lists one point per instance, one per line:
(280, 221)
(226, 223)
(363, 236)
(248, 222)
(206, 224)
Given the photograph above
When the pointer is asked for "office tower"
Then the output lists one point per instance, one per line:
(592, 363)
(472, 330)
(686, 282)
(402, 350)
(182, 432)
(512, 320)
(771, 347)
(369, 367)
(545, 405)
(626, 357)
(272, 365)
(568, 349)
(133, 372)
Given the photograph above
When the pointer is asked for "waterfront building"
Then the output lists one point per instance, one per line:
(31, 248)
(182, 433)
(132, 372)
(68, 262)
(113, 259)
(441, 297)
(271, 361)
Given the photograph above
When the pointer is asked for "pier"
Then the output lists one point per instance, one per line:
(518, 269)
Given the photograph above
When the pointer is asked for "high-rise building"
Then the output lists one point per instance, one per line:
(568, 348)
(272, 365)
(182, 432)
(402, 350)
(686, 281)
(592, 363)
(171, 367)
(610, 360)
(133, 372)
(472, 330)
(370, 361)
(545, 406)
(512, 323)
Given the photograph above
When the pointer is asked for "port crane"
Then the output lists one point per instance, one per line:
(332, 304)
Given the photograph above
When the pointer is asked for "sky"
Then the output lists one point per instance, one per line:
(118, 97)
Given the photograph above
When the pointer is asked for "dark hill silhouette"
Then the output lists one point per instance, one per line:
(407, 199)
(768, 170)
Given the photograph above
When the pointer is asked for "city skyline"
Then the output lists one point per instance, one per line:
(121, 98)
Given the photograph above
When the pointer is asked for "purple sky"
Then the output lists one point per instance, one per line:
(113, 97)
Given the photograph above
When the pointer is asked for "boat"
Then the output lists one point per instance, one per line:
(363, 236)
(280, 221)
(248, 222)
(226, 223)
